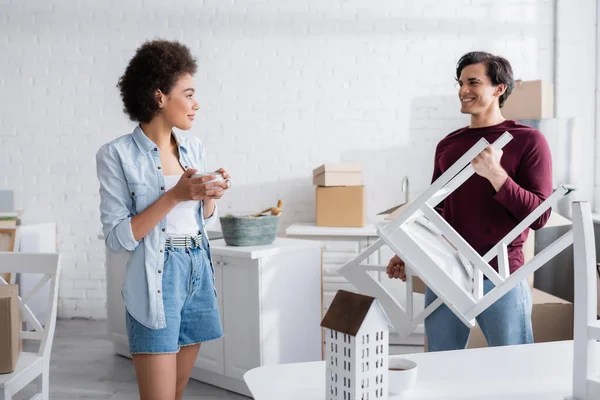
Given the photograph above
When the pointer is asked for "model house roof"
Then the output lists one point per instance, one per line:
(347, 312)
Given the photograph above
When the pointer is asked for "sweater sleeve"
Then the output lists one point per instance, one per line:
(532, 183)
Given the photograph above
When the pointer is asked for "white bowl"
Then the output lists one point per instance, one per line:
(402, 375)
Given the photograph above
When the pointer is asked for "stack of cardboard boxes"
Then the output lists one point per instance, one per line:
(340, 195)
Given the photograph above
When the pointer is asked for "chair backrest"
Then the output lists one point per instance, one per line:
(48, 265)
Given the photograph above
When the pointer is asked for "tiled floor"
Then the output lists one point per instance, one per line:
(84, 367)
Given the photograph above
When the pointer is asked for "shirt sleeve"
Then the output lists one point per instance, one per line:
(532, 183)
(115, 202)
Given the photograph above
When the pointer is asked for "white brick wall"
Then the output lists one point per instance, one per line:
(284, 86)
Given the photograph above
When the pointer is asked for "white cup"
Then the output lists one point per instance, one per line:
(219, 177)
(402, 375)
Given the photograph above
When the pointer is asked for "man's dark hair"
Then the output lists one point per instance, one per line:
(498, 69)
(157, 64)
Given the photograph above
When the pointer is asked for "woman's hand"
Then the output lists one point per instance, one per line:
(189, 188)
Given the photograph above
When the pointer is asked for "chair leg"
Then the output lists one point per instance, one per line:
(5, 395)
(46, 384)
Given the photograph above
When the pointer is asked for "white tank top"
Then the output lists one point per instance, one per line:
(183, 218)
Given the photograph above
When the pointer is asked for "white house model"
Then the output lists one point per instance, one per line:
(356, 348)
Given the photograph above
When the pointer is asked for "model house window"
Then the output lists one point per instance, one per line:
(344, 395)
(367, 338)
(336, 361)
(344, 338)
(381, 335)
(331, 346)
(345, 352)
(367, 352)
(336, 378)
(376, 349)
(344, 386)
(349, 339)
(344, 365)
(381, 378)
(363, 338)
(349, 385)
(376, 336)
(363, 353)
(381, 349)
(349, 369)
(336, 347)
(331, 334)
(335, 335)
(367, 367)
(377, 380)
(335, 390)
(349, 355)
(381, 391)
(377, 364)
(331, 360)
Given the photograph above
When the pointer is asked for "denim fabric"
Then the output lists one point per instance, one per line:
(506, 322)
(190, 305)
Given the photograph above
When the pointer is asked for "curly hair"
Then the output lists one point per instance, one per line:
(157, 64)
(498, 69)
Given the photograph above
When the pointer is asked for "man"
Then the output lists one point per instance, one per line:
(508, 186)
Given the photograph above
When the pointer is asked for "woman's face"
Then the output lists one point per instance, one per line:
(179, 106)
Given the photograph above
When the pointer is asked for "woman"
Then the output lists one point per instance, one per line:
(152, 207)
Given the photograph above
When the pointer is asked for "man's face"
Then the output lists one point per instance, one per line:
(476, 92)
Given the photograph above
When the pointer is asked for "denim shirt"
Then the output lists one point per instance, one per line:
(131, 179)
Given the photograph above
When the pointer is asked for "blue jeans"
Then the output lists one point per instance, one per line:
(190, 302)
(506, 322)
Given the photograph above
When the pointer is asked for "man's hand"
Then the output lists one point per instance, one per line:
(487, 165)
(396, 269)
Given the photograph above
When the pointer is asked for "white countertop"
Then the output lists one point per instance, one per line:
(279, 246)
(311, 229)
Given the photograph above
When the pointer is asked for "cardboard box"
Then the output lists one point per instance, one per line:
(551, 317)
(338, 175)
(530, 99)
(341, 206)
(10, 328)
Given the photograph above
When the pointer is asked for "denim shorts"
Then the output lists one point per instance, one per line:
(190, 303)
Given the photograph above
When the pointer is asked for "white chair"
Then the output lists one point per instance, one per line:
(586, 328)
(446, 262)
(33, 366)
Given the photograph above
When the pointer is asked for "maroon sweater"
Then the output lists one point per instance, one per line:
(479, 214)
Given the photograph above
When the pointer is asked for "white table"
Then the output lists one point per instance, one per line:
(541, 371)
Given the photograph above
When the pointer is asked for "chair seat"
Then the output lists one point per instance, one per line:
(29, 366)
